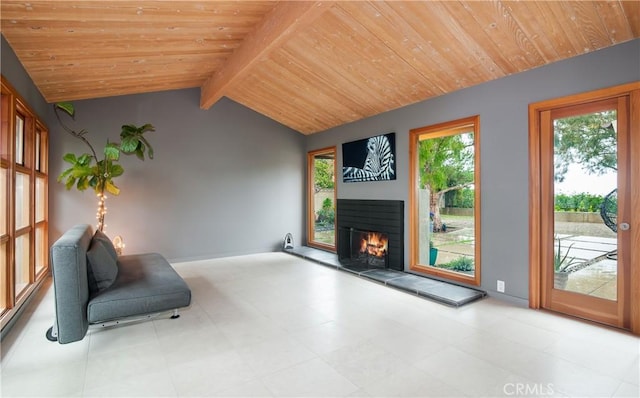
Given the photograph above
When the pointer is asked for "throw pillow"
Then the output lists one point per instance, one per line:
(103, 267)
(93, 288)
(108, 244)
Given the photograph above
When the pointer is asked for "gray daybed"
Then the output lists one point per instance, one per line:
(93, 285)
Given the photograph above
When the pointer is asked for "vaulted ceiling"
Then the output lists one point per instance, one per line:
(308, 65)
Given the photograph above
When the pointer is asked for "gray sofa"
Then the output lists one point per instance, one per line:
(132, 287)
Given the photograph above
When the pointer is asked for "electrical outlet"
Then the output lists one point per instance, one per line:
(500, 286)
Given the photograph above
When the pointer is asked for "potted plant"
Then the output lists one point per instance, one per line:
(433, 253)
(562, 266)
(90, 170)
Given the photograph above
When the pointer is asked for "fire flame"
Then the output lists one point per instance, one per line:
(374, 244)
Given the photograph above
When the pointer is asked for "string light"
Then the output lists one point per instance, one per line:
(119, 245)
(102, 210)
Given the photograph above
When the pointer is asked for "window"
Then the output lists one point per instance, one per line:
(445, 203)
(41, 257)
(321, 204)
(19, 154)
(37, 147)
(23, 214)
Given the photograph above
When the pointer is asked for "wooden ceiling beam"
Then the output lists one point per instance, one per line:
(278, 25)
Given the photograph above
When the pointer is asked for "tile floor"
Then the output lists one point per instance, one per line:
(276, 325)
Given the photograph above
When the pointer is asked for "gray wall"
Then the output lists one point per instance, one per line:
(223, 182)
(503, 109)
(13, 71)
(228, 181)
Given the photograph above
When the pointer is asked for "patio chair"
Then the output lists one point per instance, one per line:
(609, 214)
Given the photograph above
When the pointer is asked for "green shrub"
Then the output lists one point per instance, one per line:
(327, 204)
(326, 215)
(461, 264)
(463, 198)
(582, 202)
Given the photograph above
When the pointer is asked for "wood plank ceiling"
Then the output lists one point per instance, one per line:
(308, 65)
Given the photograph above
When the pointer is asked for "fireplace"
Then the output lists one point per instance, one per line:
(367, 249)
(370, 226)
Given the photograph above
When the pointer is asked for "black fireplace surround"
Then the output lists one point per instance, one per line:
(384, 216)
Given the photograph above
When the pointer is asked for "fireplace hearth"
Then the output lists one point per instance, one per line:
(370, 233)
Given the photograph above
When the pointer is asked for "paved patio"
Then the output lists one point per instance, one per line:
(590, 243)
(598, 274)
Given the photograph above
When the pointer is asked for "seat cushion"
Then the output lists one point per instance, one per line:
(146, 283)
(102, 267)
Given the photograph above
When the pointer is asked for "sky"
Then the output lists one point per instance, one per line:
(578, 181)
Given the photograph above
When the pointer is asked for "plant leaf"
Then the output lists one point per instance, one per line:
(70, 158)
(81, 171)
(70, 183)
(140, 151)
(82, 184)
(112, 151)
(64, 174)
(129, 144)
(147, 127)
(94, 183)
(112, 189)
(84, 159)
(133, 140)
(128, 130)
(149, 147)
(116, 170)
(67, 107)
(89, 171)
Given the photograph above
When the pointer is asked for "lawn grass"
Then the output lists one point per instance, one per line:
(327, 237)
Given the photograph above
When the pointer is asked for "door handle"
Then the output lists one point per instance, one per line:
(624, 226)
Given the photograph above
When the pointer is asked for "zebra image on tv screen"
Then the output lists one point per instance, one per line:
(370, 159)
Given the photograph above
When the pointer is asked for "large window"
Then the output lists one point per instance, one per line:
(23, 213)
(321, 205)
(445, 200)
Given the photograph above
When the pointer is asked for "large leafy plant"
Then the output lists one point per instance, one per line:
(88, 170)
